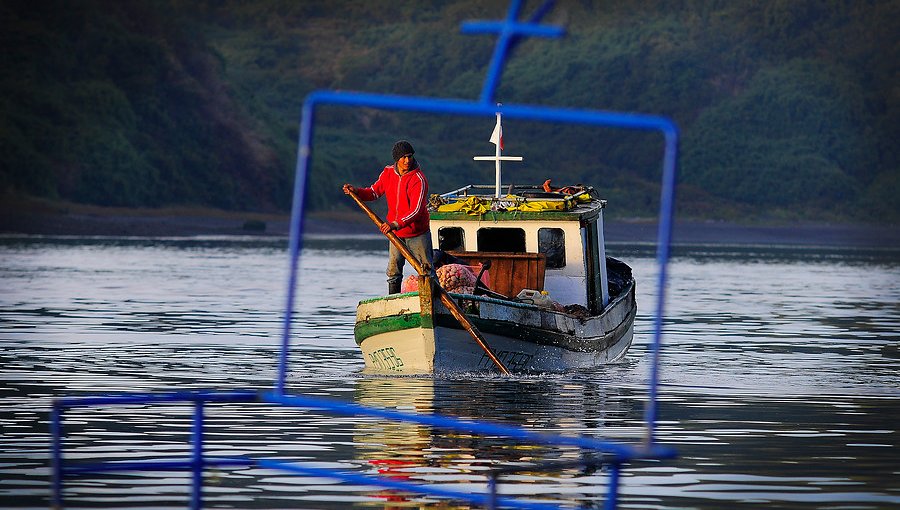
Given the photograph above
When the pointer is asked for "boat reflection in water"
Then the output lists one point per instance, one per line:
(423, 454)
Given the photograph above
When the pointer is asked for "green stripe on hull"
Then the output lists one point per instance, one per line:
(542, 336)
(512, 330)
(381, 325)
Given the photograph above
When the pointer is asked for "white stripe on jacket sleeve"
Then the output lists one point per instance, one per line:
(420, 199)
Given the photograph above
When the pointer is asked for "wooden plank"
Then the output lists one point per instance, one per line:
(510, 272)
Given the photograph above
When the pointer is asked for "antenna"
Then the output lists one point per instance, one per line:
(497, 140)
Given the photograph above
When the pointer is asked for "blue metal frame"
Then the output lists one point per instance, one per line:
(509, 31)
(615, 454)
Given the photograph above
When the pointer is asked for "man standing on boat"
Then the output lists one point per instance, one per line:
(406, 190)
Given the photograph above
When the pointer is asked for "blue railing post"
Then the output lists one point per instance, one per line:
(663, 247)
(492, 491)
(197, 460)
(509, 32)
(612, 493)
(304, 153)
(504, 39)
(56, 499)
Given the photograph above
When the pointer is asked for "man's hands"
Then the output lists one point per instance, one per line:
(349, 189)
(387, 226)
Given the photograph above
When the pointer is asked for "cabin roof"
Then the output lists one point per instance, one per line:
(520, 203)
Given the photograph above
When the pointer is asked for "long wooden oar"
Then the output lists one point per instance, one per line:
(445, 298)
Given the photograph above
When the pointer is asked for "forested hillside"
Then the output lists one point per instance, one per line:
(788, 108)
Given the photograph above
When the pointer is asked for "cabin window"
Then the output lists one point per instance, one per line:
(451, 239)
(552, 243)
(510, 240)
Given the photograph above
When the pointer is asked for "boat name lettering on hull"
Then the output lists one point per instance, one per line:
(513, 360)
(386, 359)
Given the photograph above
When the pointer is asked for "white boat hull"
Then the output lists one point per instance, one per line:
(395, 337)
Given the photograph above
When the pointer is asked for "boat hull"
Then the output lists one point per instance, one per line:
(396, 337)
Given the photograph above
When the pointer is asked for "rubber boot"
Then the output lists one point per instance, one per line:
(393, 287)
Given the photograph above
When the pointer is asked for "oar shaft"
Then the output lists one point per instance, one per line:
(468, 326)
(444, 296)
(400, 245)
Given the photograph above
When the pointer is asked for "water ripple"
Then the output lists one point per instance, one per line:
(780, 378)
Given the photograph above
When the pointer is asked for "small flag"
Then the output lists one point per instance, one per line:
(497, 135)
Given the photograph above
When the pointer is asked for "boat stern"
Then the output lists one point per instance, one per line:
(394, 335)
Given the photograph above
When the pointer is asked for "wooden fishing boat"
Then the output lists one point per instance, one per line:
(554, 300)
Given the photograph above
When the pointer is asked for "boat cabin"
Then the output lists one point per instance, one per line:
(534, 240)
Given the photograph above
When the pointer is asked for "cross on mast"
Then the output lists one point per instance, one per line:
(497, 140)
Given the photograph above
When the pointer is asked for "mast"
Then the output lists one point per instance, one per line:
(497, 140)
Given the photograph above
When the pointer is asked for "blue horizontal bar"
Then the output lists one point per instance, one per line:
(152, 465)
(479, 499)
(515, 28)
(622, 452)
(149, 398)
(510, 111)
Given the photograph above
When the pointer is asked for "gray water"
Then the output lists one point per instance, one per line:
(780, 376)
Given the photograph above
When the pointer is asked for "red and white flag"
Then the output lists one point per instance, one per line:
(497, 135)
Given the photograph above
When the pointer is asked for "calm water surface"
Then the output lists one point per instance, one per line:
(781, 375)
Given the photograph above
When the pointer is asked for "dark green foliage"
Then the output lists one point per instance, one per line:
(783, 104)
(118, 103)
(796, 135)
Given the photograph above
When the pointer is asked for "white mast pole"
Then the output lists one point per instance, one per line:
(497, 151)
(497, 140)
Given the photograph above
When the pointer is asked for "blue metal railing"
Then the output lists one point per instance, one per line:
(195, 464)
(613, 454)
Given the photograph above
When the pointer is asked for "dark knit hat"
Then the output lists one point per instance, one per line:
(402, 148)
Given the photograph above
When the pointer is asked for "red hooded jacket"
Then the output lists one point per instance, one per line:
(407, 199)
